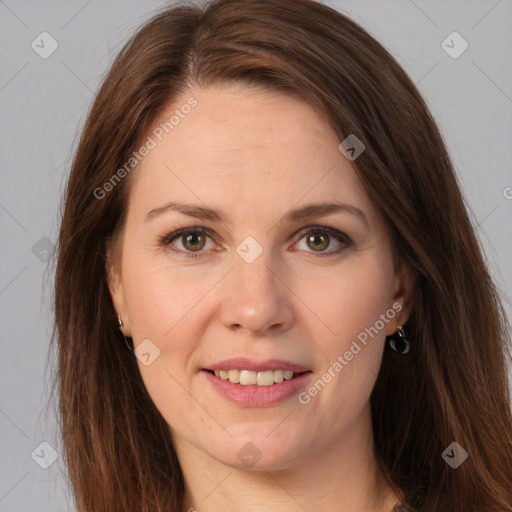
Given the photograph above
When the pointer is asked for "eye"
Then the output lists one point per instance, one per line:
(192, 240)
(319, 238)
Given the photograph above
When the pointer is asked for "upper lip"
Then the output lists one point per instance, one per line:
(243, 363)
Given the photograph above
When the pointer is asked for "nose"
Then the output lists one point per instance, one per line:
(256, 298)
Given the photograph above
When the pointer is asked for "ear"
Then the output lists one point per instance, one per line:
(115, 284)
(404, 283)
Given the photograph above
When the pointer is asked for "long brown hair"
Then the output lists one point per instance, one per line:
(451, 387)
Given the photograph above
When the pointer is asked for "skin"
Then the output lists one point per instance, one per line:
(256, 154)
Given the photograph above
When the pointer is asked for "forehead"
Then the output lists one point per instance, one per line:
(248, 147)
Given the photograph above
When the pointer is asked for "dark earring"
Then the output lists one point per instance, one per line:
(398, 341)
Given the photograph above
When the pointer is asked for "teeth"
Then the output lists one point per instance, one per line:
(265, 378)
(234, 376)
(250, 378)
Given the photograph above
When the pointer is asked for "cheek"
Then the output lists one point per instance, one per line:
(161, 297)
(354, 308)
(366, 297)
(164, 300)
(164, 303)
(353, 298)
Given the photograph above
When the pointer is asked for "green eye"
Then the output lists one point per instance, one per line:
(319, 238)
(195, 239)
(322, 240)
(193, 242)
(192, 239)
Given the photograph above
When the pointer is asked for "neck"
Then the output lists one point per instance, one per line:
(344, 477)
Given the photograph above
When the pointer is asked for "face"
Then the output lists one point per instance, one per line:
(240, 275)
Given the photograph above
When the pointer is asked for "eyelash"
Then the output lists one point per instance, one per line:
(338, 235)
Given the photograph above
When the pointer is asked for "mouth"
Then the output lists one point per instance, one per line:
(263, 378)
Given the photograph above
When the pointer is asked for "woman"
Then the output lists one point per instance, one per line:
(268, 291)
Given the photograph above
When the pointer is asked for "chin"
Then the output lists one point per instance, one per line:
(256, 450)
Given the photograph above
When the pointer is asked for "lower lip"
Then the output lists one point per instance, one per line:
(257, 396)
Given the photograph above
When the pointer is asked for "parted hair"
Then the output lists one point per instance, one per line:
(451, 387)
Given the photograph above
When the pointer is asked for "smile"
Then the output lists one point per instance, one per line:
(253, 378)
(256, 388)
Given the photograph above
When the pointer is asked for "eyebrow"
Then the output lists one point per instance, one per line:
(295, 215)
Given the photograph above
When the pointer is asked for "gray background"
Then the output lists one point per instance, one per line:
(44, 102)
